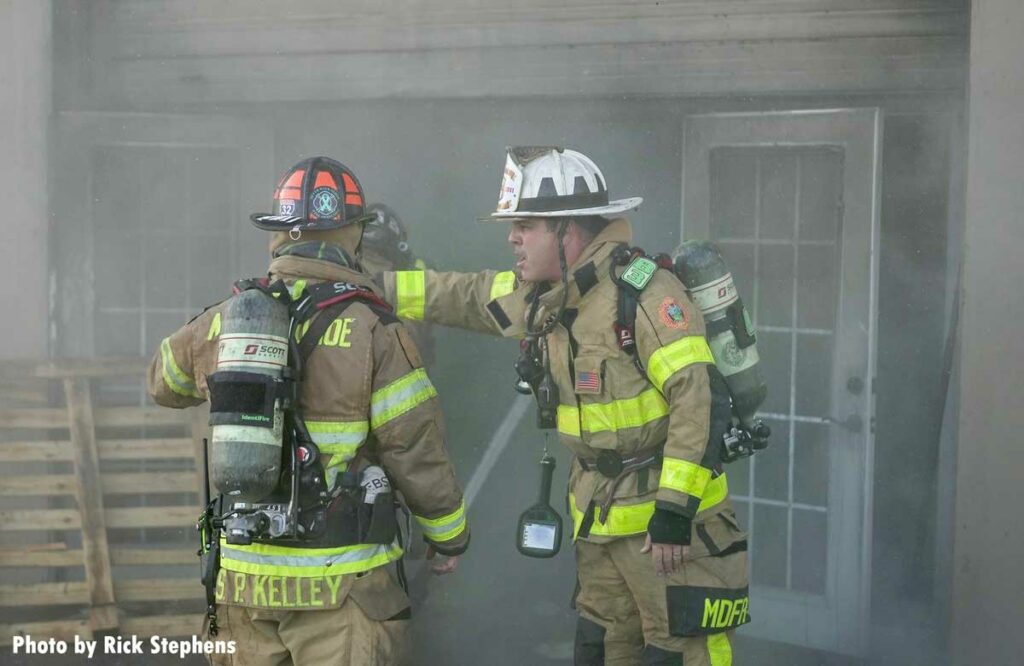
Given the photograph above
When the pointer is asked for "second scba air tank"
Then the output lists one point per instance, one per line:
(731, 336)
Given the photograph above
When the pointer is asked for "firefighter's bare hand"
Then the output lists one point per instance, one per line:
(668, 557)
(446, 565)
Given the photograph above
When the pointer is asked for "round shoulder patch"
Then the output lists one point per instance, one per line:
(674, 315)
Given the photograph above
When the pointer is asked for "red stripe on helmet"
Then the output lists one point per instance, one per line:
(350, 184)
(325, 179)
(288, 193)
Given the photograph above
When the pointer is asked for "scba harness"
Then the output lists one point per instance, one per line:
(301, 510)
(736, 440)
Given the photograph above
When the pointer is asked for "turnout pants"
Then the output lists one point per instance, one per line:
(345, 636)
(631, 616)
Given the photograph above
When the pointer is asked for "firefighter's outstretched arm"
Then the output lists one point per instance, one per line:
(473, 301)
(405, 419)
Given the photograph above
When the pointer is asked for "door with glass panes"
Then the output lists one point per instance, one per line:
(151, 225)
(791, 198)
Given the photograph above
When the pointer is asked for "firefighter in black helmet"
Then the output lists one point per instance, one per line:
(369, 417)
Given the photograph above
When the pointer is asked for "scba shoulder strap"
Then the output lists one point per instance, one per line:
(639, 272)
(331, 299)
(320, 296)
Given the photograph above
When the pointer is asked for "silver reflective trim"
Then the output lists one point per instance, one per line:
(351, 555)
(328, 438)
(434, 530)
(381, 406)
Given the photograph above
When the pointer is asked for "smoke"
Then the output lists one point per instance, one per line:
(145, 133)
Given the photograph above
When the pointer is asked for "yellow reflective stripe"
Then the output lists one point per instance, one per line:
(268, 560)
(399, 397)
(613, 416)
(214, 327)
(503, 285)
(340, 439)
(338, 432)
(569, 421)
(420, 264)
(621, 414)
(684, 476)
(627, 519)
(714, 493)
(675, 356)
(297, 288)
(411, 294)
(622, 520)
(446, 527)
(719, 650)
(175, 379)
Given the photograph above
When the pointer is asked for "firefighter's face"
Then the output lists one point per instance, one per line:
(536, 250)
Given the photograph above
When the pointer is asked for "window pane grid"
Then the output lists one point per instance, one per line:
(772, 228)
(155, 208)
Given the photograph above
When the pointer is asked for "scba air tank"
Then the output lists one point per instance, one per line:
(731, 335)
(247, 397)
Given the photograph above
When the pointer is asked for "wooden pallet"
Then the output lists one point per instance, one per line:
(77, 503)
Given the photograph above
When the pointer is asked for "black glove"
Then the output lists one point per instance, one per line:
(669, 527)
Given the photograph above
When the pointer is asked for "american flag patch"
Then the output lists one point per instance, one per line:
(588, 382)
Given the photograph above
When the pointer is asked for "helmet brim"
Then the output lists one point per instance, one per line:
(271, 222)
(613, 207)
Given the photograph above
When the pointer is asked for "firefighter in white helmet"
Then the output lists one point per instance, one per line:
(661, 558)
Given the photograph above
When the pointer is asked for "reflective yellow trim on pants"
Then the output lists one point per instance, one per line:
(399, 397)
(719, 650)
(410, 294)
(684, 476)
(675, 356)
(503, 285)
(174, 377)
(612, 416)
(629, 519)
(270, 560)
(446, 527)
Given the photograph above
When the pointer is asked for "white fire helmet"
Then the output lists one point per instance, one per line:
(547, 181)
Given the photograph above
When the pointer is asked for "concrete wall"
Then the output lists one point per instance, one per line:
(987, 608)
(25, 75)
